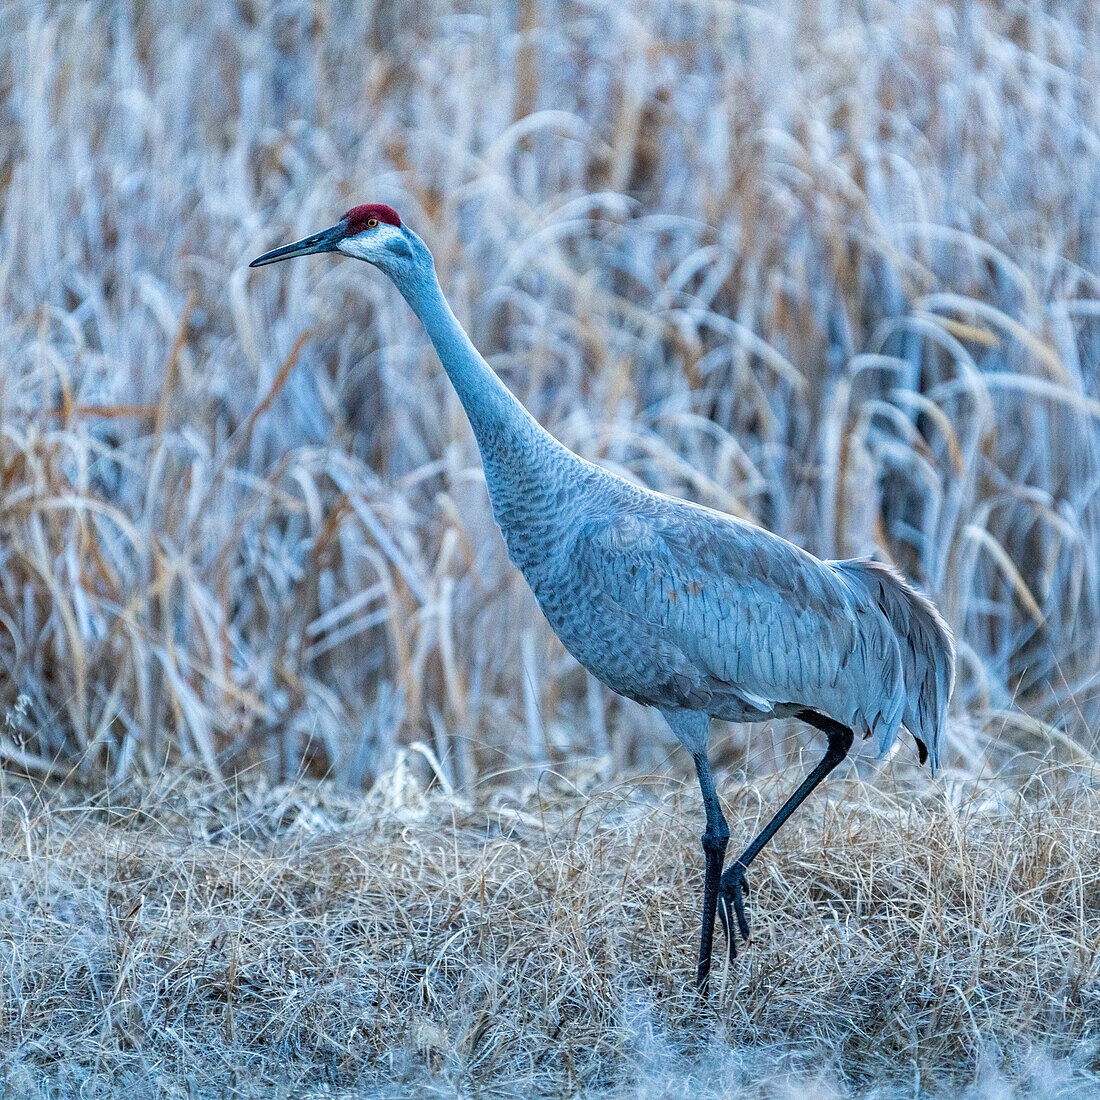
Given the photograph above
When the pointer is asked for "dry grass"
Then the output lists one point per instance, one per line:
(908, 940)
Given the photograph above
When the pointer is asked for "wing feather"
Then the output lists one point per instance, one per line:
(746, 617)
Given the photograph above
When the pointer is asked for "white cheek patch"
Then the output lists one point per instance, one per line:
(371, 243)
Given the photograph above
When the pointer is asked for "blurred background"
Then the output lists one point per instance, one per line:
(830, 267)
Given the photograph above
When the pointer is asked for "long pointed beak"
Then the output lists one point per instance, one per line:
(325, 241)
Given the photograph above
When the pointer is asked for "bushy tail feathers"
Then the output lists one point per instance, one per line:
(927, 648)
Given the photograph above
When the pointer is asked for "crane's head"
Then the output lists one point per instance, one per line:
(371, 232)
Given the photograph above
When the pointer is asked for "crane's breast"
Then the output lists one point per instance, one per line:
(578, 588)
(543, 516)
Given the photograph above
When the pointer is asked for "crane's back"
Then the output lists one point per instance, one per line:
(681, 607)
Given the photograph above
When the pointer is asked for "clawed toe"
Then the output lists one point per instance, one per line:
(732, 892)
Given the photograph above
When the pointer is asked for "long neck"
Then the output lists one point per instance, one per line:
(529, 474)
(495, 413)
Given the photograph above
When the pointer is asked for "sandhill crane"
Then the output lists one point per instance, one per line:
(677, 606)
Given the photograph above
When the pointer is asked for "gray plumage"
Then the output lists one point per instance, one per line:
(677, 606)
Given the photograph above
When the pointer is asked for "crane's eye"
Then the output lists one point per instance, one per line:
(372, 223)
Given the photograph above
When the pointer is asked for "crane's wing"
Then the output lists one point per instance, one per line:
(752, 625)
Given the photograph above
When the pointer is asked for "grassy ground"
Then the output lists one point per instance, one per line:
(831, 267)
(909, 938)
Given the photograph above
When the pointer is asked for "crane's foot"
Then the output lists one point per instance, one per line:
(733, 889)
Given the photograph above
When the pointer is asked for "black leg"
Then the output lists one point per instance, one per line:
(714, 850)
(733, 889)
